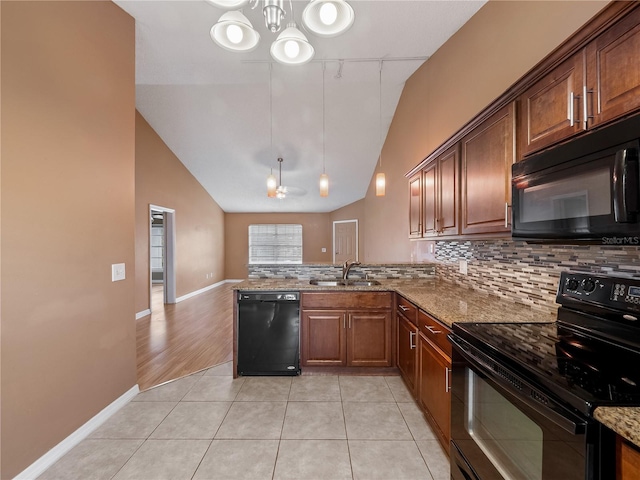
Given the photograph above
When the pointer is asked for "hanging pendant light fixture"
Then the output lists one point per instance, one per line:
(324, 178)
(272, 185)
(281, 190)
(328, 18)
(380, 178)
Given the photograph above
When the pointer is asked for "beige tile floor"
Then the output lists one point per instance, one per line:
(210, 426)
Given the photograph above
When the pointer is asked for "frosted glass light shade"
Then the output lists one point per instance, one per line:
(225, 33)
(283, 52)
(272, 184)
(315, 17)
(324, 185)
(229, 4)
(380, 185)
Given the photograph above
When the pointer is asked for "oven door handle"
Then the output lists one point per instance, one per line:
(565, 420)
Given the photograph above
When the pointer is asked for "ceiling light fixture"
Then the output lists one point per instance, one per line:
(324, 178)
(272, 185)
(325, 18)
(380, 178)
(234, 32)
(281, 191)
(328, 18)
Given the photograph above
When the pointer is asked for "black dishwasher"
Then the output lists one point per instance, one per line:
(268, 333)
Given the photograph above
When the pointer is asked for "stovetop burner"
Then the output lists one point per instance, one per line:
(589, 358)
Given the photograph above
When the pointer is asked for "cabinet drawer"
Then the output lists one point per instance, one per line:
(434, 331)
(408, 309)
(359, 300)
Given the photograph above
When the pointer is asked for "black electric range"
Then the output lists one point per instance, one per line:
(590, 357)
(523, 394)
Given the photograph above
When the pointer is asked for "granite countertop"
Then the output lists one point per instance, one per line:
(625, 421)
(445, 301)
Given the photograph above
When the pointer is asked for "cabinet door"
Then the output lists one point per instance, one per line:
(487, 155)
(415, 201)
(552, 109)
(430, 202)
(369, 339)
(613, 71)
(434, 393)
(407, 352)
(448, 192)
(323, 338)
(627, 460)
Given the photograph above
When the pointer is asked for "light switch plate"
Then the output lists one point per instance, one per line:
(324, 250)
(117, 272)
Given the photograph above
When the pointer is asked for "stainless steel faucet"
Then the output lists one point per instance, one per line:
(346, 267)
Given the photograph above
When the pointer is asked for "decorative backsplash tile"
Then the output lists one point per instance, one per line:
(528, 273)
(327, 271)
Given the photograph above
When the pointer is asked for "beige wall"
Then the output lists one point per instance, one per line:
(498, 45)
(68, 332)
(162, 180)
(353, 211)
(316, 234)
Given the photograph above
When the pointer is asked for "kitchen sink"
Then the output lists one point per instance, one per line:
(343, 283)
(327, 283)
(362, 283)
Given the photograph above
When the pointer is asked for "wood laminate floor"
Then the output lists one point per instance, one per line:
(180, 339)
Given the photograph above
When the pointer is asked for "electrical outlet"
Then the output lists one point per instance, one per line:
(117, 272)
(463, 267)
(324, 250)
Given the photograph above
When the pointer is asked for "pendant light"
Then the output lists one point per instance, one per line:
(328, 18)
(235, 33)
(324, 178)
(271, 179)
(380, 178)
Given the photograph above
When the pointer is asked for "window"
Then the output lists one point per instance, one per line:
(275, 244)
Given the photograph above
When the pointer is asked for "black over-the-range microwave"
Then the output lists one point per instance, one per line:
(583, 191)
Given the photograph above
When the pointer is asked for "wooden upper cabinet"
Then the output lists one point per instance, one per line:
(486, 158)
(552, 110)
(415, 204)
(440, 193)
(613, 71)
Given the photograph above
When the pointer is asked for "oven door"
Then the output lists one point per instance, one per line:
(592, 198)
(503, 428)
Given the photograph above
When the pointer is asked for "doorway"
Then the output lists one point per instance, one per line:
(162, 239)
(345, 240)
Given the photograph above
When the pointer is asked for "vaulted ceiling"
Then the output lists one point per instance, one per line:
(216, 111)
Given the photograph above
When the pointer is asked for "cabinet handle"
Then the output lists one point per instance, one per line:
(432, 330)
(447, 384)
(403, 308)
(506, 214)
(570, 110)
(412, 345)
(585, 107)
(344, 320)
(349, 320)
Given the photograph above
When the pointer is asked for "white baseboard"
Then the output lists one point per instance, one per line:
(56, 453)
(143, 313)
(205, 289)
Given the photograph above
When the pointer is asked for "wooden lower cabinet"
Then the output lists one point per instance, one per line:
(346, 337)
(324, 338)
(627, 460)
(408, 352)
(434, 396)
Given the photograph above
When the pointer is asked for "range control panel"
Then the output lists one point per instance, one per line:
(621, 293)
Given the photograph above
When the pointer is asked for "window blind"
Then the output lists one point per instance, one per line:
(275, 244)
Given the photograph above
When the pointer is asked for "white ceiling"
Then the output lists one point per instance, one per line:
(211, 106)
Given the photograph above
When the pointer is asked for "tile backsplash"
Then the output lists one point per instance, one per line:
(528, 273)
(325, 271)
